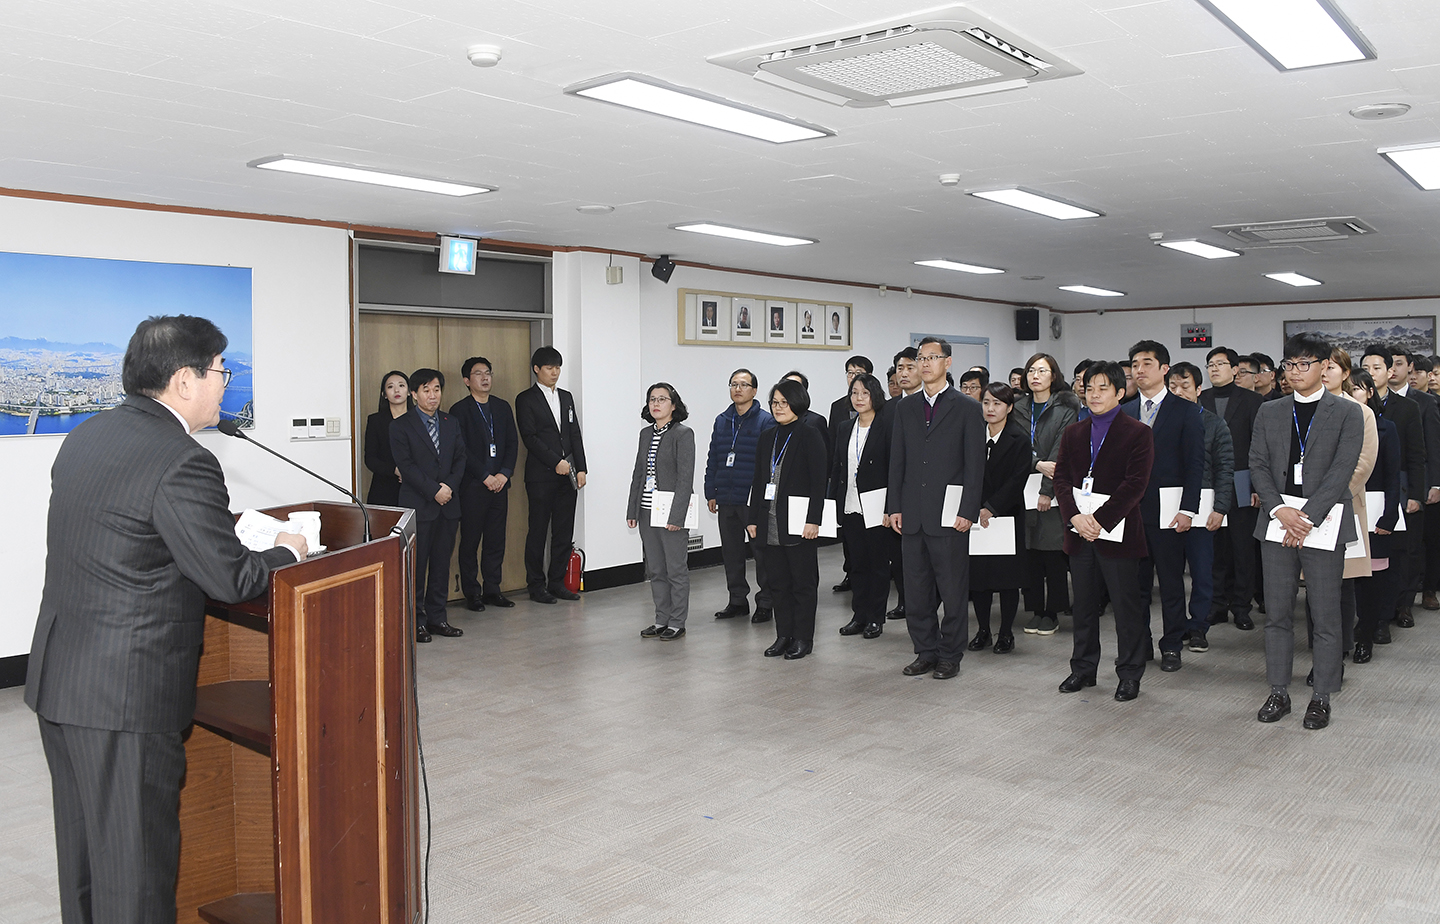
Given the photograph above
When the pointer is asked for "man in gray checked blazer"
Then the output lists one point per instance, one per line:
(139, 534)
(1305, 444)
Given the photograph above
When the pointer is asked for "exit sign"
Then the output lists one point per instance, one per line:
(1194, 336)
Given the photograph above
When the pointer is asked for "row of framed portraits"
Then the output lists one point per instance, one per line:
(734, 319)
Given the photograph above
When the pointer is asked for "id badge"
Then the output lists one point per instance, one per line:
(1087, 485)
(730, 460)
(770, 492)
(650, 483)
(1298, 476)
(492, 450)
(572, 415)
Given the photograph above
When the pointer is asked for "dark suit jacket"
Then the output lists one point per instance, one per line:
(1405, 415)
(546, 442)
(384, 486)
(1337, 433)
(139, 534)
(802, 474)
(477, 436)
(1240, 411)
(423, 470)
(1179, 433)
(841, 410)
(1122, 470)
(924, 460)
(1430, 425)
(873, 472)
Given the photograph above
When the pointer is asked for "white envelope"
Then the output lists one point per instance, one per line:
(872, 507)
(950, 509)
(1325, 534)
(800, 508)
(1088, 504)
(662, 501)
(1032, 491)
(1375, 505)
(997, 539)
(1170, 506)
(1356, 549)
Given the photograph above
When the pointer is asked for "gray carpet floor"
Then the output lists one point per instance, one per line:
(578, 773)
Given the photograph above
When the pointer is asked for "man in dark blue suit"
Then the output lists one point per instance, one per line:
(430, 454)
(1179, 438)
(491, 444)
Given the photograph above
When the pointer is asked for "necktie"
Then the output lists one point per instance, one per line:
(433, 425)
(1149, 411)
(989, 445)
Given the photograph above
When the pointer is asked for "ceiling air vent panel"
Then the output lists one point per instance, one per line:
(941, 54)
(1300, 231)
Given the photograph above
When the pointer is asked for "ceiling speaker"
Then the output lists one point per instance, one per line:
(663, 268)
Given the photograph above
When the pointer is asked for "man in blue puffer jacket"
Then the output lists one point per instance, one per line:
(729, 470)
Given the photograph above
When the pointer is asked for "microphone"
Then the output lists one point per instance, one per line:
(231, 427)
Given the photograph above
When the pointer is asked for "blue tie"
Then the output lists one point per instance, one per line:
(433, 425)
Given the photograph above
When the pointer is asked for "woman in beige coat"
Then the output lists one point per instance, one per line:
(1337, 381)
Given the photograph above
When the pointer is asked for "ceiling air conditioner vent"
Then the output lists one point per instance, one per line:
(1302, 231)
(940, 54)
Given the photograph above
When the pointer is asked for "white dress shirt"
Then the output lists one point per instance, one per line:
(552, 398)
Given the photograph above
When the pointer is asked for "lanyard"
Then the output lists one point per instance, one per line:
(1095, 451)
(734, 431)
(859, 443)
(1035, 419)
(1303, 439)
(489, 424)
(775, 460)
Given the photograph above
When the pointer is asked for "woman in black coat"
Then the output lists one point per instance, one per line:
(395, 401)
(789, 463)
(1007, 466)
(1375, 596)
(862, 463)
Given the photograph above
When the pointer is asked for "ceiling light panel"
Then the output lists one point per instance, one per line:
(1293, 279)
(959, 267)
(284, 163)
(1200, 249)
(1034, 202)
(743, 234)
(1093, 290)
(1294, 33)
(646, 94)
(1421, 163)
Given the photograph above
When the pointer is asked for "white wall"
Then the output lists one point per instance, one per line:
(301, 335)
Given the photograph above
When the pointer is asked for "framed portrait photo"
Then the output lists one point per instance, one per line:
(779, 322)
(837, 324)
(747, 313)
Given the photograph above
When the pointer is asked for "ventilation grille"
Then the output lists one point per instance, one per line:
(907, 69)
(1303, 231)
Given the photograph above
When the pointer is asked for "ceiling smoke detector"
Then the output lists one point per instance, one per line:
(1373, 112)
(940, 54)
(1303, 231)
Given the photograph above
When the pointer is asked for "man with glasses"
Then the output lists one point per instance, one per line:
(973, 383)
(1234, 572)
(729, 470)
(1265, 378)
(1304, 447)
(938, 445)
(1247, 368)
(487, 426)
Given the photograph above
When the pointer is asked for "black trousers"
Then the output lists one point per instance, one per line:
(937, 569)
(735, 542)
(897, 568)
(434, 541)
(1403, 549)
(1417, 524)
(483, 513)
(869, 554)
(1049, 592)
(117, 822)
(1093, 574)
(1235, 558)
(1432, 549)
(794, 575)
(552, 510)
(983, 600)
(1374, 602)
(1167, 559)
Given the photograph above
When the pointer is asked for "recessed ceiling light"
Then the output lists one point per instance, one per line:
(285, 163)
(650, 95)
(594, 209)
(743, 234)
(1294, 33)
(1093, 290)
(1293, 279)
(959, 267)
(1034, 202)
(1200, 249)
(1420, 162)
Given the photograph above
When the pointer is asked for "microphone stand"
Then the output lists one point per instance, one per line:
(232, 428)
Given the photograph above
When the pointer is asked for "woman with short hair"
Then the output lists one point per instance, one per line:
(664, 462)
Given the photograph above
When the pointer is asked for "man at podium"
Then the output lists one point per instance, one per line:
(139, 534)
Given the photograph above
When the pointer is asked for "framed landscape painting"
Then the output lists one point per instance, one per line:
(1412, 334)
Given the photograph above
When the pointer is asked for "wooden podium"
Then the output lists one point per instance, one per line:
(300, 804)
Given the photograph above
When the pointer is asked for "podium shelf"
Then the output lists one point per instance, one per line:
(245, 908)
(239, 709)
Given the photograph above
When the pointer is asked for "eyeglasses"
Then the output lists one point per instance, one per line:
(777, 403)
(741, 385)
(225, 375)
(1218, 365)
(930, 357)
(1299, 365)
(1240, 372)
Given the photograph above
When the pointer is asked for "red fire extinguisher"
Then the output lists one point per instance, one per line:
(575, 571)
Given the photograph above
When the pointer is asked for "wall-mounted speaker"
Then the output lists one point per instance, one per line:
(1027, 323)
(663, 267)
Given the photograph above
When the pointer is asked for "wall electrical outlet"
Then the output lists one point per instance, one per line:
(332, 426)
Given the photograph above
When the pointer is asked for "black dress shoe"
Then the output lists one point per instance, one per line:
(798, 649)
(1404, 620)
(873, 630)
(1363, 653)
(445, 629)
(542, 595)
(1245, 623)
(561, 592)
(762, 614)
(1217, 618)
(919, 666)
(1260, 605)
(897, 613)
(651, 631)
(1004, 643)
(779, 648)
(1310, 678)
(422, 634)
(1169, 661)
(853, 627)
(1317, 715)
(1076, 682)
(1382, 634)
(1127, 690)
(944, 670)
(474, 603)
(671, 633)
(498, 599)
(980, 642)
(843, 586)
(733, 610)
(1277, 707)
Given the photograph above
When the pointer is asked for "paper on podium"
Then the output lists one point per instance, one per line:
(1088, 504)
(662, 501)
(950, 508)
(1356, 549)
(1170, 506)
(800, 509)
(872, 507)
(1375, 506)
(1323, 536)
(1032, 491)
(996, 539)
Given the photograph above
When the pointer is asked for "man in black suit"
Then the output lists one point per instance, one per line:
(938, 442)
(1401, 377)
(842, 412)
(491, 444)
(430, 454)
(1179, 437)
(551, 431)
(1235, 550)
(139, 534)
